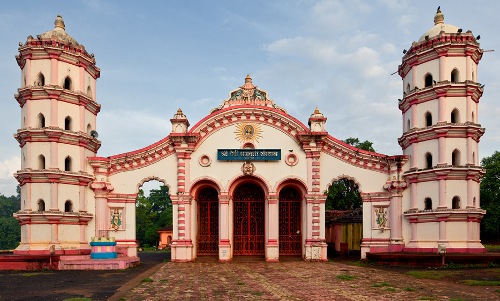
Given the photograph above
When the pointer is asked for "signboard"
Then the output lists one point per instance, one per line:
(249, 154)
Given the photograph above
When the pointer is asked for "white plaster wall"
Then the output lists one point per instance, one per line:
(68, 192)
(42, 234)
(408, 80)
(427, 190)
(458, 63)
(37, 107)
(89, 118)
(456, 143)
(456, 188)
(332, 168)
(40, 191)
(424, 147)
(428, 106)
(38, 66)
(459, 103)
(226, 171)
(431, 67)
(65, 69)
(67, 109)
(456, 231)
(69, 233)
(126, 182)
(428, 231)
(65, 150)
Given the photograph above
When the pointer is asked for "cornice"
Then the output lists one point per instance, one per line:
(29, 175)
(56, 134)
(33, 93)
(445, 172)
(446, 130)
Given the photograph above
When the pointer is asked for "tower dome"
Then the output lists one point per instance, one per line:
(59, 33)
(439, 26)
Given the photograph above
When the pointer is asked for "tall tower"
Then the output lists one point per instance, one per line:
(441, 135)
(57, 134)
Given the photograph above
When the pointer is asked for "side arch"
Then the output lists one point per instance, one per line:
(151, 178)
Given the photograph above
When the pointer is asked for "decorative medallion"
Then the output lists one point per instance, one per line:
(246, 132)
(248, 168)
(381, 220)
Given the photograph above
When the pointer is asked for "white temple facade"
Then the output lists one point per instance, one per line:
(250, 179)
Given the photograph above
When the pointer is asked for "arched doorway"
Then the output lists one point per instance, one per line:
(290, 235)
(208, 222)
(249, 220)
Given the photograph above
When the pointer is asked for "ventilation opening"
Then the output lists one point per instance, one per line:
(67, 123)
(455, 203)
(89, 92)
(472, 115)
(454, 116)
(41, 162)
(428, 80)
(89, 128)
(428, 119)
(41, 205)
(68, 206)
(455, 158)
(40, 80)
(41, 120)
(428, 160)
(454, 76)
(67, 83)
(67, 164)
(428, 204)
(408, 88)
(408, 125)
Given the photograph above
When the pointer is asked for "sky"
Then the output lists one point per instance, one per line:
(158, 56)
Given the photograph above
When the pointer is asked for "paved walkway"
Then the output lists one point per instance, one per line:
(296, 280)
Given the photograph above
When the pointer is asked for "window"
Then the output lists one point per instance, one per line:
(474, 158)
(455, 203)
(41, 162)
(428, 204)
(67, 83)
(41, 120)
(89, 91)
(454, 76)
(68, 206)
(408, 88)
(40, 80)
(67, 123)
(454, 116)
(428, 160)
(472, 115)
(428, 119)
(41, 205)
(455, 158)
(408, 125)
(89, 128)
(428, 80)
(67, 164)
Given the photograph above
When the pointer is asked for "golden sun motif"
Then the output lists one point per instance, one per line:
(246, 132)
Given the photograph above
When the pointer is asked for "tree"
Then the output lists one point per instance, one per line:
(152, 213)
(490, 197)
(344, 194)
(365, 145)
(10, 232)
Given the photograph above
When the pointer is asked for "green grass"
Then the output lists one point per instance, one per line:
(346, 277)
(435, 274)
(482, 282)
(358, 263)
(381, 284)
(391, 289)
(426, 298)
(258, 293)
(147, 280)
(33, 274)
(492, 248)
(410, 289)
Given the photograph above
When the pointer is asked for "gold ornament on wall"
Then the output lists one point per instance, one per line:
(247, 132)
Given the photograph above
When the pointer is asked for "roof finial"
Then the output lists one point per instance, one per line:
(439, 17)
(248, 79)
(59, 22)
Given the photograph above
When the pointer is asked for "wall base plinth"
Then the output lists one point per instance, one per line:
(272, 252)
(315, 251)
(182, 251)
(224, 252)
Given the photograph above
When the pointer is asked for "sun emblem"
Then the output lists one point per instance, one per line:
(246, 132)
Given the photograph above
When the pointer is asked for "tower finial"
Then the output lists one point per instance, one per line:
(248, 79)
(59, 22)
(439, 17)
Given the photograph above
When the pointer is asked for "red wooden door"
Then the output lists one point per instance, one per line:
(208, 222)
(290, 236)
(249, 220)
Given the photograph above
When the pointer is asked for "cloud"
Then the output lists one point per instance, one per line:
(7, 169)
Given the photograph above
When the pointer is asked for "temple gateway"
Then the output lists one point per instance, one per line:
(249, 179)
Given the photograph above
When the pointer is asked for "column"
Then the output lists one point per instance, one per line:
(53, 155)
(442, 192)
(470, 193)
(224, 242)
(442, 68)
(414, 155)
(53, 69)
(441, 109)
(413, 193)
(54, 187)
(442, 151)
(272, 247)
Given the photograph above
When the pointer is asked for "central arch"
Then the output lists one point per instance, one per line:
(208, 221)
(290, 235)
(249, 220)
